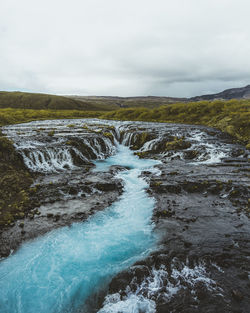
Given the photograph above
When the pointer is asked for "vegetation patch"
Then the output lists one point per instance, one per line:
(231, 116)
(177, 144)
(142, 154)
(15, 182)
(15, 116)
(139, 139)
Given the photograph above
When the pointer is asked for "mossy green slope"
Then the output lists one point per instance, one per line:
(36, 101)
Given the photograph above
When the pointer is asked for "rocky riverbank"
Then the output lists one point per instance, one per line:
(202, 218)
(201, 215)
(53, 187)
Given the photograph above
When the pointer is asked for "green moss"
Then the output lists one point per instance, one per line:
(177, 144)
(51, 133)
(15, 182)
(140, 139)
(142, 154)
(109, 135)
(157, 183)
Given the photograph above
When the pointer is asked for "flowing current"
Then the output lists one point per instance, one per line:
(59, 271)
(67, 270)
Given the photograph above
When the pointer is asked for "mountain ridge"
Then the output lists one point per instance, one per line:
(227, 94)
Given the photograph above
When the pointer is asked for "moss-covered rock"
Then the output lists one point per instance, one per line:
(142, 154)
(109, 135)
(139, 139)
(15, 182)
(177, 144)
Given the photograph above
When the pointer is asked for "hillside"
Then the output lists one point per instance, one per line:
(127, 102)
(37, 101)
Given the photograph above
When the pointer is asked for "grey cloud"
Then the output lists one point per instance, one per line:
(116, 47)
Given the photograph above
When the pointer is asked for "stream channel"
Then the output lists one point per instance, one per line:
(128, 217)
(56, 273)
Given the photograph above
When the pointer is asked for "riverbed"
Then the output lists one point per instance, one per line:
(134, 217)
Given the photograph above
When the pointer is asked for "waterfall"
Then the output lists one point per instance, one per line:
(59, 271)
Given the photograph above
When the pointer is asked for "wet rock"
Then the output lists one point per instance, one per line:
(73, 190)
(244, 275)
(160, 187)
(237, 295)
(173, 173)
(118, 168)
(187, 244)
(106, 186)
(56, 217)
(177, 144)
(191, 154)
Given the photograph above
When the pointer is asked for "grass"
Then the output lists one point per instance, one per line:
(14, 116)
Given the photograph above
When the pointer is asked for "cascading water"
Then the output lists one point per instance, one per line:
(58, 272)
(46, 145)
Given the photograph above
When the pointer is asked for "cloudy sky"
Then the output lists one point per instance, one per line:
(124, 47)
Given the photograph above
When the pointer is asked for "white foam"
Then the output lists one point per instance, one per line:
(160, 283)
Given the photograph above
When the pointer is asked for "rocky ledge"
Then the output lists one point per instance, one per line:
(60, 201)
(201, 217)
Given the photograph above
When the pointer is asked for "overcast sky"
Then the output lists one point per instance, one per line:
(124, 47)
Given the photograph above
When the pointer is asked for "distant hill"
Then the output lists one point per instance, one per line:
(154, 101)
(37, 101)
(233, 93)
(128, 102)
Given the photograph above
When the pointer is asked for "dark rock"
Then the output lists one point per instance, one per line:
(187, 244)
(118, 168)
(106, 186)
(191, 154)
(73, 190)
(237, 295)
(21, 225)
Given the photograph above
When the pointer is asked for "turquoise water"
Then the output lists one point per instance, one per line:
(59, 271)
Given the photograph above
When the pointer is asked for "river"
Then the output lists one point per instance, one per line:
(59, 271)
